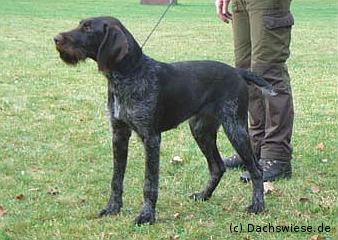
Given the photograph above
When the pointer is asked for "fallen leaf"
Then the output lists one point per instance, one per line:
(176, 237)
(303, 199)
(227, 207)
(315, 189)
(315, 237)
(105, 235)
(206, 224)
(296, 213)
(176, 160)
(320, 147)
(53, 191)
(325, 160)
(33, 189)
(327, 201)
(2, 211)
(177, 215)
(268, 187)
(19, 197)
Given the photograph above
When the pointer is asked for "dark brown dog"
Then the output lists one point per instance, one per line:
(150, 97)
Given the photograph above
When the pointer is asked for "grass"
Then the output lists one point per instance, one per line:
(54, 136)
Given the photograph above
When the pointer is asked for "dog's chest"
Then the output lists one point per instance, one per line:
(132, 100)
(130, 111)
(121, 108)
(123, 105)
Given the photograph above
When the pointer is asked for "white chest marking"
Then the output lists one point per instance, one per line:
(117, 108)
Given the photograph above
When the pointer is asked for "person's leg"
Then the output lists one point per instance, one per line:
(270, 26)
(241, 33)
(242, 44)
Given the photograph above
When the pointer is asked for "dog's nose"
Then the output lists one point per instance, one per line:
(58, 39)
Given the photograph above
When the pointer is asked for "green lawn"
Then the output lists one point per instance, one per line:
(55, 144)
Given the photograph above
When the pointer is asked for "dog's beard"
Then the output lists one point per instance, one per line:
(71, 56)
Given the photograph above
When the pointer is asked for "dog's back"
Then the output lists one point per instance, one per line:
(188, 87)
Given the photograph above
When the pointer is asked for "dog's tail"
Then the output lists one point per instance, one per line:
(260, 82)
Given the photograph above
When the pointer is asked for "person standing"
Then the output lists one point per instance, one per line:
(262, 34)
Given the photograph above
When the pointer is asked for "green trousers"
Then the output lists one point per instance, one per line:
(262, 32)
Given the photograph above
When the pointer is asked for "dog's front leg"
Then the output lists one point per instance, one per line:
(121, 134)
(150, 191)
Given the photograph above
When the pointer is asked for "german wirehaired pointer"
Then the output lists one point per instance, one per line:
(150, 97)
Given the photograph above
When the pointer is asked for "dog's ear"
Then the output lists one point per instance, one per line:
(113, 48)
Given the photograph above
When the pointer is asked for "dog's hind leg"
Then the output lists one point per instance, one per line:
(204, 129)
(235, 123)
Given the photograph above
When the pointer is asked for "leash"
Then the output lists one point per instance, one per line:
(158, 23)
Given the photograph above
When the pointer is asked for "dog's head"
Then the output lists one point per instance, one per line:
(103, 39)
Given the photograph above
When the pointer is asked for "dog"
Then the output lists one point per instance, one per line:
(150, 97)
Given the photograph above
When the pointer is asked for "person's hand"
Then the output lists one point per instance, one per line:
(222, 9)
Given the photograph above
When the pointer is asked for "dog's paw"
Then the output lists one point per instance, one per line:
(147, 215)
(255, 208)
(199, 196)
(109, 210)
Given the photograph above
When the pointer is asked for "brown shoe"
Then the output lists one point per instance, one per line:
(234, 161)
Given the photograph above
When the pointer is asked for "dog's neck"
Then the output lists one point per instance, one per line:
(126, 68)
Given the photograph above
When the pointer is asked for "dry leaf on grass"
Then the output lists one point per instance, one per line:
(206, 223)
(177, 215)
(2, 211)
(176, 237)
(20, 197)
(315, 237)
(320, 147)
(268, 187)
(315, 189)
(53, 191)
(176, 160)
(327, 201)
(106, 235)
(325, 160)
